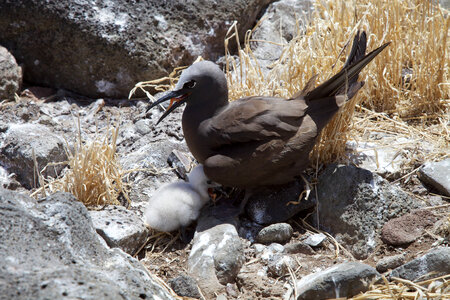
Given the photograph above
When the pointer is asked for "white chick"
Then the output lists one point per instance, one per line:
(177, 204)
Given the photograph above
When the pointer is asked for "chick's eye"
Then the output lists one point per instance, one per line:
(189, 85)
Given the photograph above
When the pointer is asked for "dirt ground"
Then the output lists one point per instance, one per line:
(168, 257)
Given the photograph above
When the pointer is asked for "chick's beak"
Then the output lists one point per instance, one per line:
(176, 98)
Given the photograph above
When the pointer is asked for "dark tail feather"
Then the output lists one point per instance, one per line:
(309, 86)
(358, 49)
(348, 76)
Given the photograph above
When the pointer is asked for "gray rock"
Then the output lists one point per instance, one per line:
(354, 204)
(19, 142)
(248, 230)
(407, 228)
(8, 181)
(120, 228)
(276, 248)
(4, 179)
(217, 252)
(445, 4)
(431, 265)
(182, 162)
(390, 262)
(259, 248)
(268, 253)
(279, 265)
(143, 126)
(275, 233)
(10, 75)
(103, 49)
(50, 250)
(184, 286)
(437, 174)
(343, 280)
(278, 25)
(299, 247)
(151, 159)
(268, 206)
(387, 161)
(315, 240)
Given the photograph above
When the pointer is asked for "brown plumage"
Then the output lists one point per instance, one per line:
(259, 141)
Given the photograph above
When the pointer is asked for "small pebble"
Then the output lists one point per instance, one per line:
(299, 248)
(315, 240)
(275, 233)
(390, 262)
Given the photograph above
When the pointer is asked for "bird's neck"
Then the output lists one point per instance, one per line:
(203, 192)
(193, 116)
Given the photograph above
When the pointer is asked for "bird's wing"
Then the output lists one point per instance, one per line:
(254, 119)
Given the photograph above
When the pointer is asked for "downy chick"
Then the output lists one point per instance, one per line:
(177, 204)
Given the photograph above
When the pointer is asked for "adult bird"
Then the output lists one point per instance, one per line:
(259, 140)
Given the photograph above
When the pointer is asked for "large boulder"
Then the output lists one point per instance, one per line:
(343, 280)
(10, 75)
(277, 27)
(433, 264)
(354, 204)
(102, 48)
(278, 204)
(217, 252)
(23, 146)
(49, 250)
(120, 228)
(436, 174)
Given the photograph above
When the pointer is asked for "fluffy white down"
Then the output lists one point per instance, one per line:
(177, 204)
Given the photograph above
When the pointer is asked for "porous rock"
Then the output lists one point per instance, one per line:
(10, 75)
(217, 253)
(184, 286)
(407, 228)
(431, 265)
(279, 265)
(21, 144)
(276, 205)
(299, 247)
(315, 240)
(390, 262)
(181, 162)
(277, 27)
(275, 233)
(354, 204)
(104, 48)
(437, 174)
(120, 228)
(343, 280)
(50, 250)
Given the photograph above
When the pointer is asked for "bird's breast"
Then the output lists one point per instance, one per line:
(195, 140)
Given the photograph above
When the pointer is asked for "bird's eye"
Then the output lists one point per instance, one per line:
(189, 85)
(208, 181)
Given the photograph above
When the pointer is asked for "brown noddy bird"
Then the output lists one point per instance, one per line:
(259, 141)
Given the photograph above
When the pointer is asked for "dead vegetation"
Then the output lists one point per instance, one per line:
(407, 91)
(402, 289)
(408, 81)
(94, 175)
(406, 95)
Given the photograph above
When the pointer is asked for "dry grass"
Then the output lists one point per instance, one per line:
(401, 289)
(418, 31)
(94, 175)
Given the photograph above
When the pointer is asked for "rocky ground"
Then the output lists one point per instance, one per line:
(359, 222)
(376, 225)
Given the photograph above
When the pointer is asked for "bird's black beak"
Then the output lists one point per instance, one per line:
(176, 98)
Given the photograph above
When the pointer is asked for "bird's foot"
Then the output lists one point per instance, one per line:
(186, 235)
